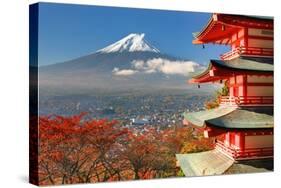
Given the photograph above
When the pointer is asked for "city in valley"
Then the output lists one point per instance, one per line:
(134, 110)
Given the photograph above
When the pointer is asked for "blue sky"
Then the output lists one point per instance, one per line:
(69, 31)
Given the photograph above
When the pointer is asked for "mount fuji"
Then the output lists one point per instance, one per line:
(132, 43)
(131, 63)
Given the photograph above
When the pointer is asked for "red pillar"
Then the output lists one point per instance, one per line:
(242, 141)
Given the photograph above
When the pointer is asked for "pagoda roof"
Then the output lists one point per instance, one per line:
(233, 117)
(250, 166)
(221, 26)
(250, 65)
(214, 162)
(204, 163)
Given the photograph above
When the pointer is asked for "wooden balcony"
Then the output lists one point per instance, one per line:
(248, 153)
(250, 51)
(248, 100)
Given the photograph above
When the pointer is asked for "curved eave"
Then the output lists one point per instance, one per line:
(232, 118)
(211, 162)
(216, 35)
(208, 26)
(259, 65)
(199, 118)
(213, 32)
(197, 41)
(239, 119)
(215, 162)
(218, 69)
(202, 75)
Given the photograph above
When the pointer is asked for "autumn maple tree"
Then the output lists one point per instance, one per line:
(73, 149)
(78, 149)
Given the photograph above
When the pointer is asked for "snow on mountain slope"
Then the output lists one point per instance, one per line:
(132, 43)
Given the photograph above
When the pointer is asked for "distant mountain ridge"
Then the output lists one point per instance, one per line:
(105, 69)
(104, 61)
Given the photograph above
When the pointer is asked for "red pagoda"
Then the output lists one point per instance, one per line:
(242, 125)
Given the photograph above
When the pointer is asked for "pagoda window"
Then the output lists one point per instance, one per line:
(259, 85)
(260, 90)
(260, 38)
(258, 141)
(260, 43)
(260, 32)
(259, 79)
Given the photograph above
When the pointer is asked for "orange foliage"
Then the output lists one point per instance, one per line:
(73, 150)
(198, 145)
(211, 104)
(76, 150)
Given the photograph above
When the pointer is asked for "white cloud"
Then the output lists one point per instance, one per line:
(160, 65)
(138, 64)
(124, 72)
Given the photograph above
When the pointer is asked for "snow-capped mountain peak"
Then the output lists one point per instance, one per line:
(131, 43)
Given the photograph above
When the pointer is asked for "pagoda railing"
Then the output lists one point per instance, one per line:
(247, 100)
(246, 153)
(250, 51)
